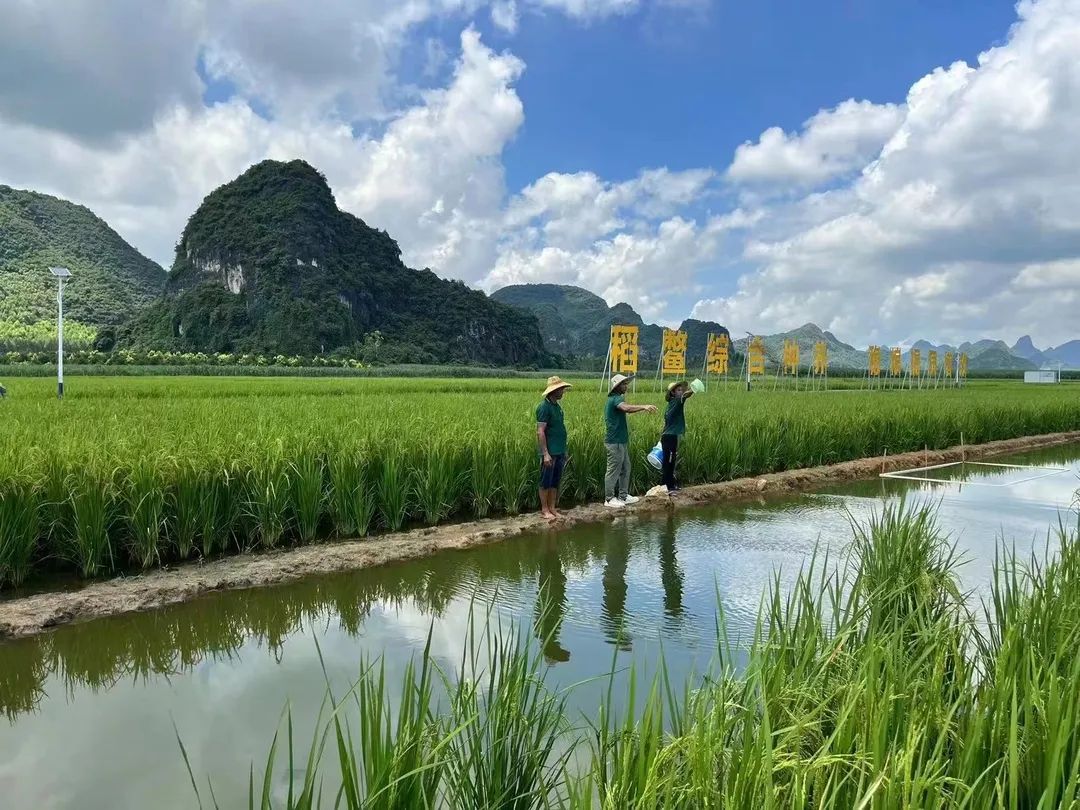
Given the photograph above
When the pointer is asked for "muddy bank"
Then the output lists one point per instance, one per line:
(33, 614)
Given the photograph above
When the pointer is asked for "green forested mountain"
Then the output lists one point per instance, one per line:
(268, 263)
(576, 323)
(111, 279)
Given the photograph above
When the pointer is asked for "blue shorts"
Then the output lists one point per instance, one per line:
(551, 476)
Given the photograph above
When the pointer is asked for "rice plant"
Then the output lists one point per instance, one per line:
(394, 491)
(483, 477)
(308, 495)
(144, 504)
(239, 461)
(91, 506)
(268, 491)
(437, 483)
(352, 499)
(20, 528)
(185, 496)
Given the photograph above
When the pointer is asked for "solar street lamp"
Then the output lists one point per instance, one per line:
(749, 338)
(62, 274)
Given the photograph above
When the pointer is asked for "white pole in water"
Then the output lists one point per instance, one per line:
(61, 274)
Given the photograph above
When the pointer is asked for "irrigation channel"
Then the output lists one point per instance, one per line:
(93, 711)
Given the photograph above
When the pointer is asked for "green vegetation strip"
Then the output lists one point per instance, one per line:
(868, 685)
(140, 472)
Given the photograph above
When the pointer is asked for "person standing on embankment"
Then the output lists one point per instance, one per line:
(617, 443)
(674, 427)
(551, 442)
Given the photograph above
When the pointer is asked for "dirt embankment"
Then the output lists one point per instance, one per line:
(36, 613)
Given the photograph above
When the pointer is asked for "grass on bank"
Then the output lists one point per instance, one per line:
(136, 473)
(868, 685)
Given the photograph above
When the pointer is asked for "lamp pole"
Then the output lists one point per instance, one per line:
(749, 338)
(61, 274)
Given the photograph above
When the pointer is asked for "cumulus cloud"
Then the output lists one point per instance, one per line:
(69, 67)
(969, 212)
(642, 267)
(832, 143)
(432, 172)
(953, 213)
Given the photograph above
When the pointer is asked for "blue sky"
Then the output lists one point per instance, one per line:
(631, 91)
(889, 170)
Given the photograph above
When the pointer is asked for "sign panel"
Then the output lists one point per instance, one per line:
(791, 356)
(821, 357)
(896, 362)
(873, 361)
(962, 369)
(931, 363)
(756, 356)
(916, 363)
(674, 353)
(718, 354)
(947, 366)
(624, 349)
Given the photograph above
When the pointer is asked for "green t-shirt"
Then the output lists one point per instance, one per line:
(550, 413)
(675, 418)
(617, 432)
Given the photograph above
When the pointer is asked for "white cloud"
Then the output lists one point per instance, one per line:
(432, 173)
(1058, 275)
(954, 213)
(589, 8)
(504, 15)
(75, 67)
(643, 266)
(970, 212)
(833, 143)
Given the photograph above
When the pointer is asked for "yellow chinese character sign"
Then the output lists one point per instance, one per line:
(896, 362)
(948, 366)
(931, 363)
(674, 352)
(624, 349)
(916, 363)
(756, 356)
(719, 354)
(821, 358)
(873, 361)
(791, 356)
(962, 368)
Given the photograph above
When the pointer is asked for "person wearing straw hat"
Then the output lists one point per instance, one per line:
(617, 443)
(674, 427)
(551, 442)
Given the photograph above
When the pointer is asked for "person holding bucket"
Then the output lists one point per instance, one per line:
(551, 442)
(617, 443)
(674, 427)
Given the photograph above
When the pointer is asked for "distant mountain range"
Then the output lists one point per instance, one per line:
(1068, 354)
(577, 323)
(269, 263)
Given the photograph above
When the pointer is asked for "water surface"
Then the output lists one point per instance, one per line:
(90, 709)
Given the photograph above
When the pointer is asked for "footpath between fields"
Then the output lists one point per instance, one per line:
(36, 613)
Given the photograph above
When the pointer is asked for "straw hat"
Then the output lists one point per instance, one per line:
(618, 380)
(673, 385)
(554, 384)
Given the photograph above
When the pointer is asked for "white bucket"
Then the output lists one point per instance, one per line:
(697, 386)
(656, 457)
